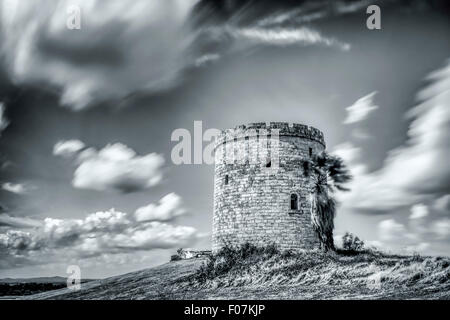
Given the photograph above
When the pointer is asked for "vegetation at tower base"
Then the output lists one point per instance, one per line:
(350, 242)
(228, 258)
(269, 273)
(327, 173)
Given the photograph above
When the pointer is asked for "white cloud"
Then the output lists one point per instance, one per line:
(419, 248)
(416, 171)
(17, 188)
(68, 148)
(351, 156)
(123, 46)
(343, 7)
(441, 228)
(206, 59)
(348, 152)
(286, 37)
(419, 211)
(16, 240)
(157, 235)
(442, 203)
(115, 167)
(133, 45)
(374, 244)
(97, 234)
(395, 236)
(311, 12)
(361, 109)
(360, 134)
(169, 207)
(390, 230)
(423, 234)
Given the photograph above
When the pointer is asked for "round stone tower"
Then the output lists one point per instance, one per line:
(261, 194)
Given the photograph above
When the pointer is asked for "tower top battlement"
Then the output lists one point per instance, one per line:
(285, 129)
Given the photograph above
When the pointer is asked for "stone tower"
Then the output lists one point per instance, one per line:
(265, 199)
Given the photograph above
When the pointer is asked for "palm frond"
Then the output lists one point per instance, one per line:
(327, 173)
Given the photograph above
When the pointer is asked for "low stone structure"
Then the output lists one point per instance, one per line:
(188, 253)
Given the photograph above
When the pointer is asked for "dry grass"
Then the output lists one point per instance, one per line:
(328, 275)
(265, 273)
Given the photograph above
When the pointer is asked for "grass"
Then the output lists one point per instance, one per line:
(324, 272)
(229, 259)
(250, 272)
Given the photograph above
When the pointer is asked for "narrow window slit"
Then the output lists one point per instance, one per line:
(294, 202)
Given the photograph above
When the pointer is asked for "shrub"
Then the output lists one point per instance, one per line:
(175, 257)
(350, 242)
(287, 254)
(229, 257)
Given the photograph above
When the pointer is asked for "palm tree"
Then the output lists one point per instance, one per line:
(327, 173)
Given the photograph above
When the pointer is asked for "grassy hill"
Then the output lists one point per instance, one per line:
(268, 274)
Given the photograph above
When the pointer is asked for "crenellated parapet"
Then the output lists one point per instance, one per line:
(266, 128)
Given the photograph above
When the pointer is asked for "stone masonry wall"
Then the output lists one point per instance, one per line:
(255, 204)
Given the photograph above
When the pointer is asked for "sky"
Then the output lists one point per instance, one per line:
(87, 115)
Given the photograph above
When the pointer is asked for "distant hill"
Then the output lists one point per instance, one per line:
(56, 279)
(11, 287)
(311, 275)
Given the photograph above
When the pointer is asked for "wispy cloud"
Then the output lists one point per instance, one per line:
(441, 228)
(18, 222)
(361, 109)
(442, 204)
(361, 134)
(206, 59)
(286, 37)
(422, 234)
(3, 121)
(104, 60)
(17, 188)
(416, 171)
(68, 148)
(414, 176)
